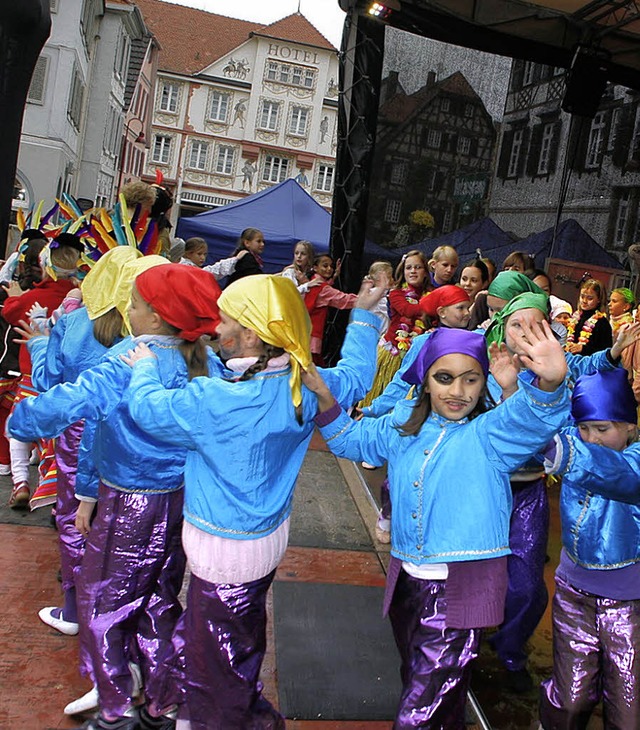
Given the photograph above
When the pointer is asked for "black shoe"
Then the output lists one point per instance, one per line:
(148, 722)
(122, 723)
(519, 681)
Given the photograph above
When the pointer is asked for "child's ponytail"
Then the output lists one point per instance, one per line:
(195, 357)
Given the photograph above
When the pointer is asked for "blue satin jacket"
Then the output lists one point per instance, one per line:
(244, 446)
(449, 484)
(599, 501)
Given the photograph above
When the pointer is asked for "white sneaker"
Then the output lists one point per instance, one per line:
(368, 466)
(34, 458)
(136, 675)
(5, 470)
(383, 530)
(59, 624)
(86, 703)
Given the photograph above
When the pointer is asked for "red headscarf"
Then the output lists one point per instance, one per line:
(443, 296)
(184, 296)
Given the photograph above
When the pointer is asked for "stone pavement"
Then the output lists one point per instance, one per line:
(331, 542)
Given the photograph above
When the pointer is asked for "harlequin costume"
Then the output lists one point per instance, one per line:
(596, 607)
(405, 314)
(238, 499)
(133, 565)
(448, 578)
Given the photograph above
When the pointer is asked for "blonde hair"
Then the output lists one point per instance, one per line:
(599, 288)
(442, 252)
(378, 267)
(139, 193)
(64, 257)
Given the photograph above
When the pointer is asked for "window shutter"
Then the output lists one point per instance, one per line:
(624, 134)
(533, 155)
(505, 153)
(553, 149)
(38, 81)
(524, 151)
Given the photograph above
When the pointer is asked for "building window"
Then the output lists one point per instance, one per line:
(53, 6)
(74, 108)
(269, 115)
(528, 75)
(324, 178)
(276, 169)
(596, 141)
(622, 218)
(399, 170)
(445, 105)
(613, 130)
(464, 145)
(224, 159)
(392, 211)
(122, 57)
(434, 138)
(514, 156)
(287, 73)
(299, 119)
(169, 97)
(198, 154)
(38, 81)
(545, 149)
(468, 110)
(161, 149)
(219, 106)
(112, 132)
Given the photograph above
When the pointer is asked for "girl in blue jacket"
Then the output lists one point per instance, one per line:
(449, 464)
(132, 571)
(596, 607)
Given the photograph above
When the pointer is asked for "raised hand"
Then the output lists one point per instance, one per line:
(372, 292)
(140, 352)
(504, 368)
(27, 332)
(627, 335)
(543, 355)
(312, 379)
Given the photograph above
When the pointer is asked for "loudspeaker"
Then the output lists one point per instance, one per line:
(586, 83)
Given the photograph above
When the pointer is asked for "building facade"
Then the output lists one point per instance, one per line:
(434, 153)
(74, 118)
(240, 106)
(591, 165)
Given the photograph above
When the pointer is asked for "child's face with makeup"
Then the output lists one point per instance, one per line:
(455, 383)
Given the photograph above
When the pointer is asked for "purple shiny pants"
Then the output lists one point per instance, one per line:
(436, 660)
(596, 655)
(385, 500)
(70, 541)
(224, 631)
(127, 589)
(527, 594)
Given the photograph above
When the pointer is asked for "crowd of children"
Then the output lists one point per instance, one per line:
(138, 367)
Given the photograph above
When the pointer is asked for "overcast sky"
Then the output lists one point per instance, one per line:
(324, 14)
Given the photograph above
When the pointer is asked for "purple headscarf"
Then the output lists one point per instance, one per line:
(446, 341)
(605, 396)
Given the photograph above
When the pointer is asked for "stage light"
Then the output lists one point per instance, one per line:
(380, 11)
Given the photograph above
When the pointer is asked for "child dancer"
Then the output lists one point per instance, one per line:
(474, 278)
(132, 571)
(621, 305)
(301, 270)
(448, 578)
(596, 607)
(59, 263)
(238, 498)
(251, 240)
(195, 254)
(318, 299)
(588, 330)
(405, 315)
(442, 266)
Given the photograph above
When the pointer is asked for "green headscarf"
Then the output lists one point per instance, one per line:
(508, 284)
(527, 300)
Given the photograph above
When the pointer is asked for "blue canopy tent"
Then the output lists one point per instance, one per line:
(572, 243)
(285, 213)
(483, 234)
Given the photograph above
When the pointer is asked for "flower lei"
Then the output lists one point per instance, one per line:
(408, 328)
(587, 327)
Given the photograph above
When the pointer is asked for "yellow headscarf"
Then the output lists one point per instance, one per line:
(100, 284)
(272, 307)
(108, 285)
